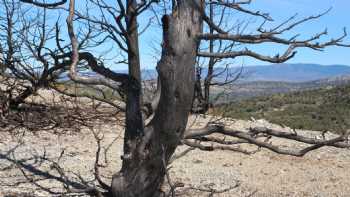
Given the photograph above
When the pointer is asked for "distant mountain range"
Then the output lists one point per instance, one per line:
(294, 72)
(276, 72)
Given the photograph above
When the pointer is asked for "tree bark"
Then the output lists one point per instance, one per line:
(134, 123)
(144, 165)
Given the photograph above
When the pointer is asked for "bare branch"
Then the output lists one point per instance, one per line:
(250, 136)
(288, 54)
(237, 6)
(45, 5)
(97, 159)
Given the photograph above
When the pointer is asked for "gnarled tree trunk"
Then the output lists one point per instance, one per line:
(147, 153)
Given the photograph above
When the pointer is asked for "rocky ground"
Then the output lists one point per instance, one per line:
(324, 172)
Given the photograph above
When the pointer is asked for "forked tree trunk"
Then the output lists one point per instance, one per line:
(144, 163)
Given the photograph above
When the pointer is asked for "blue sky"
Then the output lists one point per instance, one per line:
(279, 11)
(333, 21)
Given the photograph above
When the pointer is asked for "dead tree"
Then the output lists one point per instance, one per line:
(206, 69)
(23, 44)
(148, 146)
(32, 52)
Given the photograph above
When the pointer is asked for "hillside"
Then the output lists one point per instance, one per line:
(322, 109)
(244, 90)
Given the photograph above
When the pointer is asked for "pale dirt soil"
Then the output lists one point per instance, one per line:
(324, 172)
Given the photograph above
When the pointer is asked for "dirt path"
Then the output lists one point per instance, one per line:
(324, 172)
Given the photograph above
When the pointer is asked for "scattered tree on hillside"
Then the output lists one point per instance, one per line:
(154, 129)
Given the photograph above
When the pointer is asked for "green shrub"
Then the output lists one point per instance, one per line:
(322, 109)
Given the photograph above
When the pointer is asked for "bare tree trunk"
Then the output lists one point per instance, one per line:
(202, 94)
(134, 124)
(211, 63)
(144, 165)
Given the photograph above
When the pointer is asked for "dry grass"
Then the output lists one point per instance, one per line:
(322, 173)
